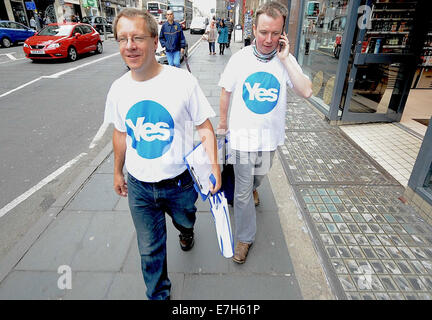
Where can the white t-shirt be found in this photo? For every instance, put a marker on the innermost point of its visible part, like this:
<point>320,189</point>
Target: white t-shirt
<point>257,118</point>
<point>159,116</point>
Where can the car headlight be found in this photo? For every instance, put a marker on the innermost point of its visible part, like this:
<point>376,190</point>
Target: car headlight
<point>26,45</point>
<point>53,45</point>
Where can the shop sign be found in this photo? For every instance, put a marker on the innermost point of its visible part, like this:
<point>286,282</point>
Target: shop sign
<point>89,3</point>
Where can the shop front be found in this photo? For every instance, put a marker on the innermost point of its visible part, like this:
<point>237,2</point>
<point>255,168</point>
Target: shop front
<point>365,59</point>
<point>72,10</point>
<point>90,8</point>
<point>19,12</point>
<point>109,10</point>
<point>363,56</point>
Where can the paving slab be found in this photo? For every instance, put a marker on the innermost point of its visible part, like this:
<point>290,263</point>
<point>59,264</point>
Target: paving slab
<point>97,194</point>
<point>240,287</point>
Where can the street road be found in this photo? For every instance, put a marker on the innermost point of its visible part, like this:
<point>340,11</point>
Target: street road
<point>50,113</point>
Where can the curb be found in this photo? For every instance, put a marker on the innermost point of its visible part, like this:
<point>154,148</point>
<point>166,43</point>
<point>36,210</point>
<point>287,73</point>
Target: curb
<point>20,249</point>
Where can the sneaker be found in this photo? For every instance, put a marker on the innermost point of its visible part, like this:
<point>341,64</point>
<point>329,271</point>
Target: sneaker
<point>256,198</point>
<point>241,252</point>
<point>186,241</point>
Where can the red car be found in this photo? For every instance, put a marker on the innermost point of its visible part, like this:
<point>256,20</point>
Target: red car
<point>67,40</point>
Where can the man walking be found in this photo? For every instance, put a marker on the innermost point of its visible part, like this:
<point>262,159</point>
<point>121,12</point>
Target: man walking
<point>172,39</point>
<point>257,77</point>
<point>151,138</point>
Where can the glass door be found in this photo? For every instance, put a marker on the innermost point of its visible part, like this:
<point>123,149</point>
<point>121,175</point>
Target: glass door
<point>383,61</point>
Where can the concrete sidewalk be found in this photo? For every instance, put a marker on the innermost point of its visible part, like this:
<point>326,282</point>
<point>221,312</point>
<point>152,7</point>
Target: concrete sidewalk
<point>87,239</point>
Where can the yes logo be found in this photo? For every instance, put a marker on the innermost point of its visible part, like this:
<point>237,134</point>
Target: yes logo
<point>261,92</point>
<point>151,129</point>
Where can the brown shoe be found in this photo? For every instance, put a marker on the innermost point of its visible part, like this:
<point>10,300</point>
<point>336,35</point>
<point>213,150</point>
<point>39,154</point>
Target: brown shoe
<point>256,198</point>
<point>241,252</point>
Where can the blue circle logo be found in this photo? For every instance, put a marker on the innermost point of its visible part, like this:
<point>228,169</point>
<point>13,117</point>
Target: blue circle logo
<point>151,129</point>
<point>261,92</point>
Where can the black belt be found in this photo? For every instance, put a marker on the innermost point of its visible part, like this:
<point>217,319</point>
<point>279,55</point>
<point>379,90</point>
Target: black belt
<point>181,179</point>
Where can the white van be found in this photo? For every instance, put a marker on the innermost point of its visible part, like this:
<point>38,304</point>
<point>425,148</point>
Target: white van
<point>198,25</point>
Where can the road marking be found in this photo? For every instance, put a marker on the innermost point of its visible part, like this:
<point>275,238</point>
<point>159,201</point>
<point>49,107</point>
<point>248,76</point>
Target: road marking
<point>20,87</point>
<point>98,135</point>
<point>58,74</point>
<point>9,55</point>
<point>16,59</point>
<point>41,184</point>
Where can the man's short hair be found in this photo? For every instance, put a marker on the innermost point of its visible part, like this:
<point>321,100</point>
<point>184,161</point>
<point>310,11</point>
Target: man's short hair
<point>150,21</point>
<point>273,9</point>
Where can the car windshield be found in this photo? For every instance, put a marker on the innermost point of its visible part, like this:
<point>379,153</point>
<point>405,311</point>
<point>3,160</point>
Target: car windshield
<point>63,30</point>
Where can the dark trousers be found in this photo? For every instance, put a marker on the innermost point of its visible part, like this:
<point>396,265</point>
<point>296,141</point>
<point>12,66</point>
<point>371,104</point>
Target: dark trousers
<point>229,40</point>
<point>221,48</point>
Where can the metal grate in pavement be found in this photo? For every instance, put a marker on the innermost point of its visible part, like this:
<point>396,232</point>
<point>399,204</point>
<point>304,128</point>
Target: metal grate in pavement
<point>377,247</point>
<point>300,117</point>
<point>372,245</point>
<point>326,156</point>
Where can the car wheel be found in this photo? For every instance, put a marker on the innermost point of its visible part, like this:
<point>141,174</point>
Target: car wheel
<point>72,54</point>
<point>6,42</point>
<point>99,48</point>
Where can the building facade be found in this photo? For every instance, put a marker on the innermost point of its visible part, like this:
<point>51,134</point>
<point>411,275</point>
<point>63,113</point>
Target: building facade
<point>63,10</point>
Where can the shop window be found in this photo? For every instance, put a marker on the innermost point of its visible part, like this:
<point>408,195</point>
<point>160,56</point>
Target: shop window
<point>320,45</point>
<point>374,86</point>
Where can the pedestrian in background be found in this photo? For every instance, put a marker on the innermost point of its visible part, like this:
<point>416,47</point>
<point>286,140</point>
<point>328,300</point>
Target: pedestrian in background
<point>230,25</point>
<point>223,36</point>
<point>257,77</point>
<point>211,34</point>
<point>40,21</point>
<point>33,23</point>
<point>171,38</point>
<point>47,20</point>
<point>150,139</point>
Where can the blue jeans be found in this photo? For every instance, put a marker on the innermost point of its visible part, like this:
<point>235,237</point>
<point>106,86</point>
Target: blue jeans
<point>211,47</point>
<point>148,203</point>
<point>173,58</point>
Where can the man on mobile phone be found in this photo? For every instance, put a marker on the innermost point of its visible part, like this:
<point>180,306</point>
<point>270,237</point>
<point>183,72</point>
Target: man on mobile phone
<point>257,77</point>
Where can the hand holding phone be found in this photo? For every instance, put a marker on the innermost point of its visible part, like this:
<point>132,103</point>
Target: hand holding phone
<point>283,41</point>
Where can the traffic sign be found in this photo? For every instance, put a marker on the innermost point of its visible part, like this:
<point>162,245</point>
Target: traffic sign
<point>30,5</point>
